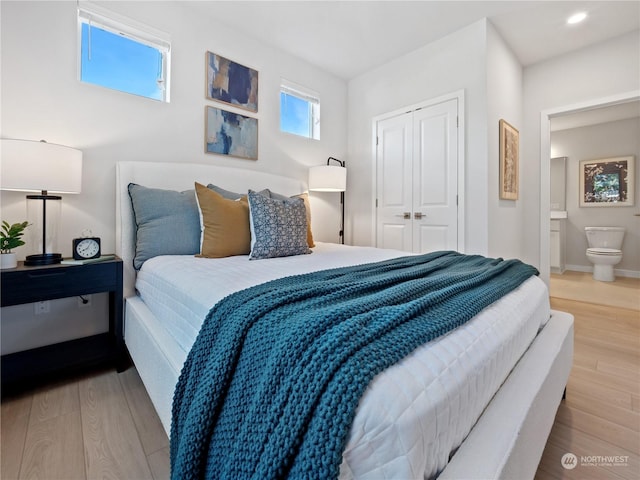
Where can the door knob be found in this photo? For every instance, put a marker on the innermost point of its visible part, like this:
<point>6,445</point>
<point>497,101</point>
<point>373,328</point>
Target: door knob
<point>405,215</point>
<point>418,215</point>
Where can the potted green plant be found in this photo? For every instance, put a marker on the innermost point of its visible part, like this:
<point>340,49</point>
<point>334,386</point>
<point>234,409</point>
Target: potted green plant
<point>10,238</point>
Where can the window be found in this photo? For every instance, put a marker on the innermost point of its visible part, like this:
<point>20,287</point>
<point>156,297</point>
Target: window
<point>299,111</point>
<point>116,54</point>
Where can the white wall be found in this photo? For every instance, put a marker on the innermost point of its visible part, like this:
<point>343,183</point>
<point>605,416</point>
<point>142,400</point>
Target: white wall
<point>474,59</point>
<point>606,69</point>
<point>504,101</point>
<point>455,62</point>
<point>43,99</point>
<point>605,140</point>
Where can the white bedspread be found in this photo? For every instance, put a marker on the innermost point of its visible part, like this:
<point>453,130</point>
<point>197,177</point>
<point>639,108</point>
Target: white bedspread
<point>414,414</point>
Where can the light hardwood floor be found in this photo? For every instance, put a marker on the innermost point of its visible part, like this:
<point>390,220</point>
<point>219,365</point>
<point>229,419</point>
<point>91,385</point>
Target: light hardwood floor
<point>580,286</point>
<point>99,426</point>
<point>601,414</point>
<point>103,425</point>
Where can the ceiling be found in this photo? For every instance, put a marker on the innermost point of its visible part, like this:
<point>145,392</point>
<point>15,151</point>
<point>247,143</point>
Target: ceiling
<point>593,116</point>
<point>348,38</point>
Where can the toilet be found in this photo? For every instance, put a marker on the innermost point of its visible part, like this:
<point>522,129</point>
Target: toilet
<point>605,250</point>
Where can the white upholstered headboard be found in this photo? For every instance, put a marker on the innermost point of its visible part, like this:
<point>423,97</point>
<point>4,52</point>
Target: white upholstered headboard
<point>180,176</point>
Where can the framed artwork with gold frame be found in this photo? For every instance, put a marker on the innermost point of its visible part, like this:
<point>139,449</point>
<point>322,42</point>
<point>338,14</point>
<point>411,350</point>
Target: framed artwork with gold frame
<point>509,161</point>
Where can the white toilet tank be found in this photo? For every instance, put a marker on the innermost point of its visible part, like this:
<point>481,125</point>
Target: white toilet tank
<point>605,237</point>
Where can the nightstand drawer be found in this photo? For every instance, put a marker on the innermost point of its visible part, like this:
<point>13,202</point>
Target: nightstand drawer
<point>24,285</point>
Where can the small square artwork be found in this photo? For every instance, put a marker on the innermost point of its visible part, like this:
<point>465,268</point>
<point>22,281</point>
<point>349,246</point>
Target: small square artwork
<point>229,133</point>
<point>231,83</point>
<point>509,159</point>
<point>607,182</point>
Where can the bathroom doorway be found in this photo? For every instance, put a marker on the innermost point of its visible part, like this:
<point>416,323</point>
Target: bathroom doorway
<point>573,119</point>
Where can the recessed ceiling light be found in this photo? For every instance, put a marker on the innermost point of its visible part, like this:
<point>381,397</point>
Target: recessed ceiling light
<point>576,18</point>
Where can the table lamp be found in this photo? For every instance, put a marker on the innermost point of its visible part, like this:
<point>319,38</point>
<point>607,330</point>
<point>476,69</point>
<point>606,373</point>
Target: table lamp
<point>330,178</point>
<point>30,166</point>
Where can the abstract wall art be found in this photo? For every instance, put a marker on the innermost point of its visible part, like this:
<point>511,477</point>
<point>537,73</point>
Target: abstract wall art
<point>231,83</point>
<point>229,133</point>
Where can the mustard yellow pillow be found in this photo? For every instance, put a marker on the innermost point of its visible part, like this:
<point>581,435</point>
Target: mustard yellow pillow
<point>224,223</point>
<point>307,206</point>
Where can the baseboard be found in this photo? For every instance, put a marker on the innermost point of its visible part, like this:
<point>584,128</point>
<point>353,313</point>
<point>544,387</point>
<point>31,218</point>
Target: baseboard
<point>579,268</point>
<point>627,273</point>
<point>617,271</point>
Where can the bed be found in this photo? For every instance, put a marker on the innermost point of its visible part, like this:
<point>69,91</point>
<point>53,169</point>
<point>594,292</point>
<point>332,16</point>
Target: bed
<point>514,383</point>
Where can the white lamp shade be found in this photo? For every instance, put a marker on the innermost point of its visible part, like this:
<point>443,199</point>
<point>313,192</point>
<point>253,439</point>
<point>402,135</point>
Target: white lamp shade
<point>29,166</point>
<point>328,178</point>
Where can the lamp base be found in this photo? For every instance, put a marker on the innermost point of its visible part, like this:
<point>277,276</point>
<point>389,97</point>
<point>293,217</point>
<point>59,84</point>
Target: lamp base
<point>42,259</point>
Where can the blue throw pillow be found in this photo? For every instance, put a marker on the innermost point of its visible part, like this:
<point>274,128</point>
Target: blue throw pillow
<point>167,223</point>
<point>278,227</point>
<point>225,193</point>
<point>233,195</point>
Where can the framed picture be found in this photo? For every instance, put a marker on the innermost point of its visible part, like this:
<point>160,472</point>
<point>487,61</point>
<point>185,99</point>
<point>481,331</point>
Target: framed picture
<point>509,159</point>
<point>607,182</point>
<point>228,133</point>
<point>231,83</point>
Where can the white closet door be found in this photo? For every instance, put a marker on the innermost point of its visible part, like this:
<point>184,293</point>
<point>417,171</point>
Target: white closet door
<point>394,184</point>
<point>435,178</point>
<point>417,179</point>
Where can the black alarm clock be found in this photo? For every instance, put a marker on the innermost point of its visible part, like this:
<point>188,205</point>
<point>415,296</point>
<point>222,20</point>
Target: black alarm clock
<point>85,248</point>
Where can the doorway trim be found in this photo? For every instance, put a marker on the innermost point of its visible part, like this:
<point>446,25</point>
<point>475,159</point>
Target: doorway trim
<point>459,95</point>
<point>545,164</point>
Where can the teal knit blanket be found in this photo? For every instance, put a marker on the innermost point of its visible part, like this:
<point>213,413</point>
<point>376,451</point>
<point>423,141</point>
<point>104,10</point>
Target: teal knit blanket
<point>271,385</point>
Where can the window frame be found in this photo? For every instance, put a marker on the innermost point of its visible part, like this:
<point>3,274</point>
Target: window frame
<point>93,15</point>
<point>307,95</point>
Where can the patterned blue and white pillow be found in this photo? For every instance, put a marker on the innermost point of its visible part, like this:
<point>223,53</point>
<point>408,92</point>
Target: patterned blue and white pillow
<point>278,227</point>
